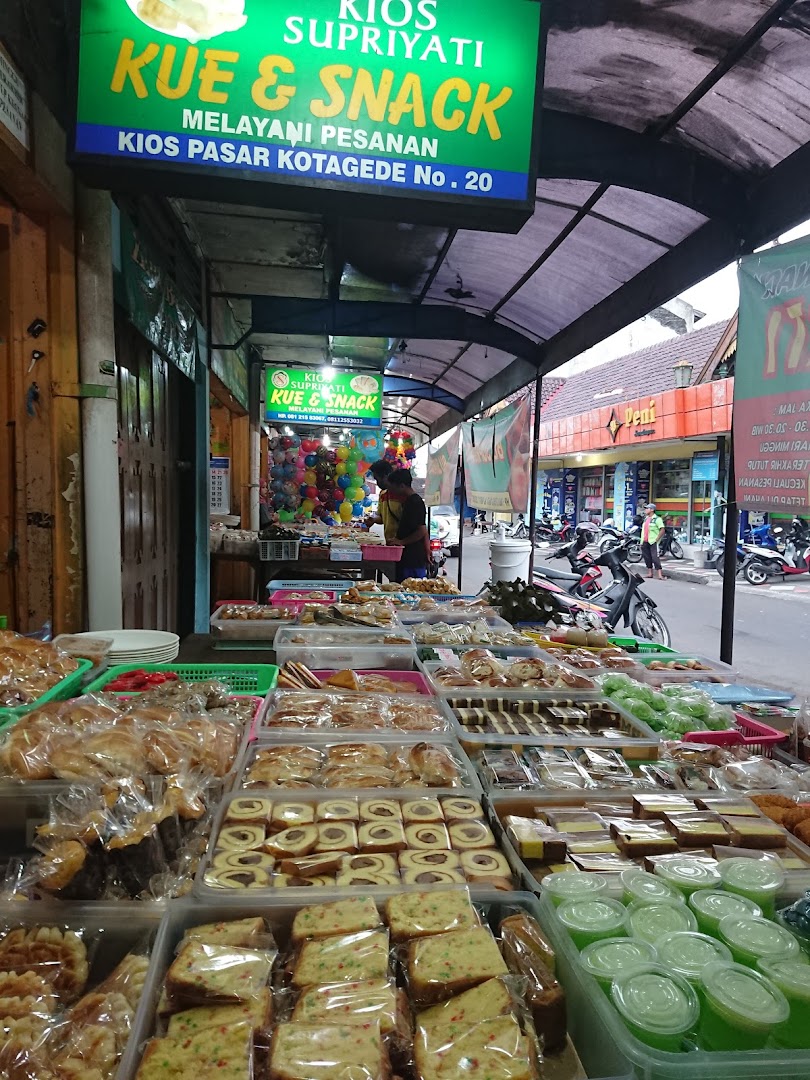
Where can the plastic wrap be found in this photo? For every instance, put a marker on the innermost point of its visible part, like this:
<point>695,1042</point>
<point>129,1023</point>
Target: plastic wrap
<point>443,965</point>
<point>318,1050</point>
<point>204,974</point>
<point>294,709</point>
<point>29,668</point>
<point>479,632</point>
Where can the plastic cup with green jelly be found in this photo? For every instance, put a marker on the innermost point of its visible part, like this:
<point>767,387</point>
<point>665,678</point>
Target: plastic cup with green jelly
<point>650,922</point>
<point>658,1007</point>
<point>591,920</point>
<point>740,1007</point>
<point>712,905</point>
<point>687,953</point>
<point>793,979</point>
<point>639,885</point>
<point>757,879</point>
<point>688,873</point>
<point>611,957</point>
<point>574,885</point>
<point>752,939</point>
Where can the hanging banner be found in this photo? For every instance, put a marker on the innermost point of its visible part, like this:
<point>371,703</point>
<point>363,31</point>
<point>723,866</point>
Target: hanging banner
<point>392,98</point>
<point>497,460</point>
<point>442,466</point>
<point>154,305</point>
<point>301,396</point>
<point>772,380</point>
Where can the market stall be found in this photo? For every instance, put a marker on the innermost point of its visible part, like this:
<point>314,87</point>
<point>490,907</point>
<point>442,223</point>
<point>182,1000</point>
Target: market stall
<point>426,810</point>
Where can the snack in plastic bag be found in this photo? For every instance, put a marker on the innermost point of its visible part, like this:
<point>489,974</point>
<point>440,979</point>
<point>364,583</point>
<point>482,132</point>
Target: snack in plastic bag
<point>439,967</point>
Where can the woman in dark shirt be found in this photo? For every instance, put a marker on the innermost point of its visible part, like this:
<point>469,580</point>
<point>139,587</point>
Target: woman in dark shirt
<point>412,532</point>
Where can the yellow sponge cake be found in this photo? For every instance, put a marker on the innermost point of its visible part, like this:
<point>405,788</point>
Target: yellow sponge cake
<point>218,1053</point>
<point>348,958</point>
<point>484,1002</point>
<point>327,1051</point>
<point>412,915</point>
<point>340,917</point>
<point>498,1048</point>
<point>447,964</point>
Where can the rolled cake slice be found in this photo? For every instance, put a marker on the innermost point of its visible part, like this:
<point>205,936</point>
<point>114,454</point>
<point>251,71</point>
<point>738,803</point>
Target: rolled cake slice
<point>427,836</point>
<point>459,808</point>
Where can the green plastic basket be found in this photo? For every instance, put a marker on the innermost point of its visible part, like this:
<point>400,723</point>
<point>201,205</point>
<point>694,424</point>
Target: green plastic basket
<point>636,645</point>
<point>253,679</point>
<point>64,689</point>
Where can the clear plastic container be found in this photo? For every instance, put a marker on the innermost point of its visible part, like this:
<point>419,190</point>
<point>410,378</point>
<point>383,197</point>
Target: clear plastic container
<point>651,921</point>
<point>325,648</point>
<point>752,939</point>
<point>591,920</point>
<point>688,873</point>
<point>740,1008</point>
<point>611,957</point>
<point>687,953</point>
<point>659,1007</point>
<point>709,670</point>
<point>712,905</point>
<point>758,880</point>
<point>574,885</point>
<point>640,885</point>
<point>793,979</point>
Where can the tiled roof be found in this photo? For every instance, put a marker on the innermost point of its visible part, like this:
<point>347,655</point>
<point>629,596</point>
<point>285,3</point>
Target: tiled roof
<point>648,371</point>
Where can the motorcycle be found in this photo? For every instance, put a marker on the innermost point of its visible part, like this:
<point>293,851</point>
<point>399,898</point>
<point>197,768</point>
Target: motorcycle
<point>668,544</point>
<point>622,601</point>
<point>762,536</point>
<point>439,555</point>
<point>763,563</point>
<point>520,530</point>
<point>612,537</point>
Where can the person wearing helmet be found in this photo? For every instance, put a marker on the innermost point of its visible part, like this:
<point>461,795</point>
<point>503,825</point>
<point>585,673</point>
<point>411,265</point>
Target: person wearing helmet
<point>651,529</point>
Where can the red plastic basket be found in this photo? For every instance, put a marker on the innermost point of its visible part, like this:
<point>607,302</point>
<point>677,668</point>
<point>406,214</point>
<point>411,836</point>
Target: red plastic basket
<point>754,736</point>
<point>381,552</point>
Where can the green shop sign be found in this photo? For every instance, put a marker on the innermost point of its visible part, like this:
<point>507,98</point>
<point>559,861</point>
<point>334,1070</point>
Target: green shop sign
<point>353,399</point>
<point>430,99</point>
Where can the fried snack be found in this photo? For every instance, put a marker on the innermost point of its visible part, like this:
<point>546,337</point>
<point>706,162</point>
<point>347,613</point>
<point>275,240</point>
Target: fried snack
<point>59,956</point>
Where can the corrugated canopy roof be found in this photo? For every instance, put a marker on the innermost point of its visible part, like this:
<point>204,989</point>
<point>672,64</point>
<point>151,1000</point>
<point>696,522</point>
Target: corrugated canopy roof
<point>673,135</point>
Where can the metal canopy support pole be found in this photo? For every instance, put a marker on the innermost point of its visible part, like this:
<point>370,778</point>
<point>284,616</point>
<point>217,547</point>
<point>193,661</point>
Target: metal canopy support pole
<point>538,393</point>
<point>202,496</point>
<point>461,509</point>
<point>729,560</point>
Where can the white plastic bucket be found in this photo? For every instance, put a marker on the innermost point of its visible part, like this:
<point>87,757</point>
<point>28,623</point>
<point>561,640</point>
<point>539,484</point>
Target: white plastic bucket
<point>510,559</point>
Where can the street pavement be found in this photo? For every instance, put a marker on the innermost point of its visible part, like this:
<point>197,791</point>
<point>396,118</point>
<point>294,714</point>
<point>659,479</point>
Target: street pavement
<point>771,631</point>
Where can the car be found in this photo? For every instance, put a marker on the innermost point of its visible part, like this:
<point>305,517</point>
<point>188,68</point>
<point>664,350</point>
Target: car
<point>444,526</point>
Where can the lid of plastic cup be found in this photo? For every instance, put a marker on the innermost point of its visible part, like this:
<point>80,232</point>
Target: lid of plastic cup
<point>688,953</point>
<point>716,905</point>
<point>592,916</point>
<point>764,875</point>
<point>610,956</point>
<point>759,937</point>
<point>791,976</point>
<point>645,886</point>
<point>654,999</point>
<point>689,872</point>
<point>651,921</point>
<point>570,884</point>
<point>743,994</point>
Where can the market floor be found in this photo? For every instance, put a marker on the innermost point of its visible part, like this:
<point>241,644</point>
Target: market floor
<point>771,635</point>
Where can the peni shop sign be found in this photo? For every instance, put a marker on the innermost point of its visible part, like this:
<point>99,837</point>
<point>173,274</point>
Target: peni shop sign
<point>772,380</point>
<point>428,99</point>
<point>299,396</point>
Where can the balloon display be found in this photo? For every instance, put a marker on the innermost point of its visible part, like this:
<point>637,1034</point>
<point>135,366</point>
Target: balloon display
<point>345,511</point>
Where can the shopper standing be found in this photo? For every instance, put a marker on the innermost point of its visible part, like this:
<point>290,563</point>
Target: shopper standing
<point>651,529</point>
<point>389,507</point>
<point>412,532</point>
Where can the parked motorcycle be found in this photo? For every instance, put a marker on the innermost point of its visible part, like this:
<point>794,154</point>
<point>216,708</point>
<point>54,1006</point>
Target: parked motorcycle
<point>762,536</point>
<point>762,563</point>
<point>439,555</point>
<point>519,530</point>
<point>622,601</point>
<point>612,537</point>
<point>668,544</point>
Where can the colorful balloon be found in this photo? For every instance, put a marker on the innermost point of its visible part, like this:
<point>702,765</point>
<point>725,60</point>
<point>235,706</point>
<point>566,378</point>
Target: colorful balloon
<point>357,510</point>
<point>308,505</point>
<point>340,468</point>
<point>295,440</point>
<point>284,442</point>
<point>331,457</point>
<point>290,470</point>
<point>344,482</point>
<point>354,494</point>
<point>311,492</point>
<point>345,511</point>
<point>342,453</point>
<point>279,456</point>
<point>286,515</point>
<point>277,471</point>
<point>309,477</point>
<point>367,501</point>
<point>362,468</point>
<point>310,461</point>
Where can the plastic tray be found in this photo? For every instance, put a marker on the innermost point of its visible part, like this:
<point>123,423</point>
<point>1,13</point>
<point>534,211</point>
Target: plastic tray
<point>260,731</point>
<point>642,742</point>
<point>381,552</point>
<point>307,584</point>
<point>715,671</point>
<point>757,737</point>
<point>634,644</point>
<point>605,1045</point>
<point>64,689</point>
<point>253,679</point>
<point>279,916</point>
<point>414,679</point>
<point>211,893</point>
<point>737,693</point>
<point>283,597</point>
<point>514,693</point>
<point>323,740</point>
<point>452,615</point>
<point>246,629</point>
<point>342,650</point>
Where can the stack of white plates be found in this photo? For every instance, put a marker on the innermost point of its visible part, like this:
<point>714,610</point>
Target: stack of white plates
<point>142,646</point>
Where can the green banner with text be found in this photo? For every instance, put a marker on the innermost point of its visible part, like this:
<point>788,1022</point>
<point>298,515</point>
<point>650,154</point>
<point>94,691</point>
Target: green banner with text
<point>772,380</point>
<point>299,396</point>
<point>424,97</point>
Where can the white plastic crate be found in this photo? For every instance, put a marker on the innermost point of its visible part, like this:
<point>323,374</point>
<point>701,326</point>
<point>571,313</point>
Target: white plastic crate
<point>279,550</point>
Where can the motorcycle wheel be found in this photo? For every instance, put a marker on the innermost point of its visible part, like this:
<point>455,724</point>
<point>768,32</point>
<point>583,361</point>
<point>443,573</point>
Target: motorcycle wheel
<point>649,625</point>
<point>675,550</point>
<point>605,543</point>
<point>634,553</point>
<point>755,573</point>
<point>720,563</point>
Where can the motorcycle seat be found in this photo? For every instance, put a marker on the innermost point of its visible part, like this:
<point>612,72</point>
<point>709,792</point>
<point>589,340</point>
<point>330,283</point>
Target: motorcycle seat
<point>557,575</point>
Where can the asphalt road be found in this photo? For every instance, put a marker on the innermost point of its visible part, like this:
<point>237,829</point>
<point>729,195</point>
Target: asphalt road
<point>771,633</point>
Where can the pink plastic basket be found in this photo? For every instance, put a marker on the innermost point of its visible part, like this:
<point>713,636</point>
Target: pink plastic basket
<point>381,552</point>
<point>290,597</point>
<point>755,736</point>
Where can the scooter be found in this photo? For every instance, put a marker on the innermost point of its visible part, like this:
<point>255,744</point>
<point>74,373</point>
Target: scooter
<point>622,601</point>
<point>612,537</point>
<point>668,544</point>
<point>762,563</point>
<point>762,536</point>
<point>439,554</point>
<point>520,530</point>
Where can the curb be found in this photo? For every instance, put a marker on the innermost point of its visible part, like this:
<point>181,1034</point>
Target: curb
<point>696,577</point>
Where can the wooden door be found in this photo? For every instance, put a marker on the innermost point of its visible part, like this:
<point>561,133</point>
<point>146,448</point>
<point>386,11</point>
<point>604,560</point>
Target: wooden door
<point>147,457</point>
<point>8,591</point>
